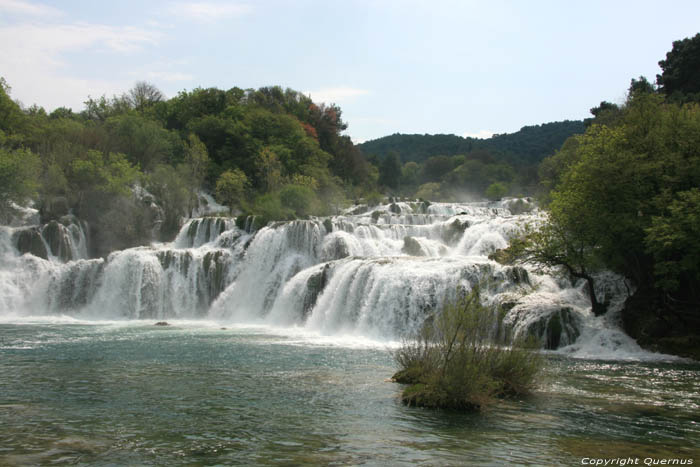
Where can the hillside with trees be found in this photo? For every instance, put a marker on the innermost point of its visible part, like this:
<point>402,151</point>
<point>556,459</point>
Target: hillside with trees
<point>449,167</point>
<point>529,145</point>
<point>132,165</point>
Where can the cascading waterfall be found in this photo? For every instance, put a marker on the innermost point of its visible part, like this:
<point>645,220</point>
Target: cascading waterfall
<point>375,272</point>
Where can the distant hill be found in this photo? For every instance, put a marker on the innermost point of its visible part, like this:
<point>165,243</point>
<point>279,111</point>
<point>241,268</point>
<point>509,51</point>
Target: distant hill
<point>525,147</point>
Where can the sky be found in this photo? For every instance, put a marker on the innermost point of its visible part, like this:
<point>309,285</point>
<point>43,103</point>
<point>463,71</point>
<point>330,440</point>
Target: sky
<point>471,68</point>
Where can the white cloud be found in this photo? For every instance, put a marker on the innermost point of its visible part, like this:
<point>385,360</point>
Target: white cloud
<point>481,134</point>
<point>32,59</point>
<point>209,11</point>
<point>336,95</point>
<point>21,7</point>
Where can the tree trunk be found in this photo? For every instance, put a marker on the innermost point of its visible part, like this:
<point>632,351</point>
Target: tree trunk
<point>597,307</point>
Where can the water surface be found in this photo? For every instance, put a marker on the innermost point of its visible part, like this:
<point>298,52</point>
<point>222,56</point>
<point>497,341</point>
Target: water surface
<point>193,393</point>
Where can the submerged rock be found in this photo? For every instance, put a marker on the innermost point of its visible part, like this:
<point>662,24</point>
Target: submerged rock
<point>556,329</point>
<point>162,323</point>
<point>314,286</point>
<point>453,231</point>
<point>30,241</point>
<point>411,247</point>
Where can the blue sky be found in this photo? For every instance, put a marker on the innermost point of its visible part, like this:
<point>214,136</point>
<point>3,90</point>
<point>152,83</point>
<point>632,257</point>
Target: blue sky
<point>462,67</point>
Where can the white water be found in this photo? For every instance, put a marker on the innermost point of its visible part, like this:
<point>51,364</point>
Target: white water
<point>369,277</point>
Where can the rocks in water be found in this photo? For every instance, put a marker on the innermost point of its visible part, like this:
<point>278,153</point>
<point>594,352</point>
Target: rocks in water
<point>56,239</point>
<point>518,275</point>
<point>520,206</point>
<point>30,241</point>
<point>395,208</point>
<point>376,215</point>
<point>314,286</point>
<point>328,225</point>
<point>359,210</point>
<point>411,247</point>
<point>53,235</point>
<point>452,232</point>
<point>335,247</point>
<point>162,323</point>
<point>555,329</point>
<point>250,224</point>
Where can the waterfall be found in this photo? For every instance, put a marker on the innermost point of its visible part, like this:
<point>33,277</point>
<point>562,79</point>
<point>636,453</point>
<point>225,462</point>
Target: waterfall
<point>376,272</point>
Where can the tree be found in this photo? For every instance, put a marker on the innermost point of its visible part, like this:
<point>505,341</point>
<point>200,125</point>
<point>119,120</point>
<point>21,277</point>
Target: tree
<point>231,187</point>
<point>19,174</point>
<point>625,195</point>
<point>11,117</point>
<point>144,95</point>
<point>680,75</point>
<point>390,171</point>
<point>496,191</point>
<point>672,239</point>
<point>552,245</point>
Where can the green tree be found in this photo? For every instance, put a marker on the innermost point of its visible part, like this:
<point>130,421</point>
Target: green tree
<point>496,191</point>
<point>231,188</point>
<point>300,199</point>
<point>680,76</point>
<point>390,171</point>
<point>19,176</point>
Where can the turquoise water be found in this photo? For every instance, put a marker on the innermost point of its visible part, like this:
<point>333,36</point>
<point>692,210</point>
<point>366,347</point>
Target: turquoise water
<point>196,394</point>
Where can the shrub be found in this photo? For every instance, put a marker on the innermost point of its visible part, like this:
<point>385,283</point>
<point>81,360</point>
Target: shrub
<point>454,360</point>
<point>300,199</point>
<point>496,191</point>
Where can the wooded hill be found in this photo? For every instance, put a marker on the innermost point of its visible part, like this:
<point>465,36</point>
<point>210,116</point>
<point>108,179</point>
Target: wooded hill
<point>525,147</point>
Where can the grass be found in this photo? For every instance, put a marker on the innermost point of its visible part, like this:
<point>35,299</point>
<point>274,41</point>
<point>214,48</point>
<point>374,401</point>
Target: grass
<point>456,362</point>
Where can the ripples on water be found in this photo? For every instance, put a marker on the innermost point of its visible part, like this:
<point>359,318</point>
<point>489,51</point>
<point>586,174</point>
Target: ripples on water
<point>132,393</point>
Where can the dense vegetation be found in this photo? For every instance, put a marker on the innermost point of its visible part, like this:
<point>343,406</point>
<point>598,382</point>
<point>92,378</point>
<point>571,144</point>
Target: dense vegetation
<point>454,360</point>
<point>625,196</point>
<point>137,161</point>
<point>444,167</point>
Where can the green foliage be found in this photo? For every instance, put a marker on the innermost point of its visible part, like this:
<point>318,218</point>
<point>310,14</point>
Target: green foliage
<point>170,186</point>
<point>680,77</point>
<point>252,142</point>
<point>672,239</point>
<point>529,145</point>
<point>390,171</point>
<point>11,118</point>
<point>19,177</point>
<point>269,207</point>
<point>625,197</point>
<point>299,199</point>
<point>231,188</point>
<point>455,362</point>
<point>496,191</point>
<point>429,191</point>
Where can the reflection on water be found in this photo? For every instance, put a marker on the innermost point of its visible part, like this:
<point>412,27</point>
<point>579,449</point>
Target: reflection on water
<point>135,394</point>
